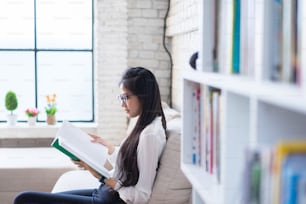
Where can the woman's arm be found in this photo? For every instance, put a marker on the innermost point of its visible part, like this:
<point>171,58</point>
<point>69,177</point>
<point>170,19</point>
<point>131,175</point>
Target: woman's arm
<point>106,143</point>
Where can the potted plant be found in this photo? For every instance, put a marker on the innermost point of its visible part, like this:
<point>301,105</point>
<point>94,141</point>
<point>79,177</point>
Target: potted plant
<point>51,109</point>
<point>32,115</point>
<point>11,104</point>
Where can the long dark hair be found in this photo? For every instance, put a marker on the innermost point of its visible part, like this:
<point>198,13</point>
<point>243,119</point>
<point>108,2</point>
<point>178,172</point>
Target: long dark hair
<point>142,83</point>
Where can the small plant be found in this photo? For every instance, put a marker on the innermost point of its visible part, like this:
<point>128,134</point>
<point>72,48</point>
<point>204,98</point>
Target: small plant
<point>51,105</point>
<point>31,112</point>
<point>11,102</point>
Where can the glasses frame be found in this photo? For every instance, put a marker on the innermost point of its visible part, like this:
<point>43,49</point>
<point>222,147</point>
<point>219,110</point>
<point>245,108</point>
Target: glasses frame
<point>123,98</point>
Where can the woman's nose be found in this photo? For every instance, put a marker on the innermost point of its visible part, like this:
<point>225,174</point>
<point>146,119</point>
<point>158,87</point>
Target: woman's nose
<point>123,104</point>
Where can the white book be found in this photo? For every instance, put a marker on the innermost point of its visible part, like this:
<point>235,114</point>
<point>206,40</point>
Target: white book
<point>75,143</point>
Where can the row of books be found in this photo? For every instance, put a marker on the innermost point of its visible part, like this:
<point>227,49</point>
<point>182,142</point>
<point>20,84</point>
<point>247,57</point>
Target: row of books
<point>276,175</point>
<point>206,129</point>
<point>281,41</point>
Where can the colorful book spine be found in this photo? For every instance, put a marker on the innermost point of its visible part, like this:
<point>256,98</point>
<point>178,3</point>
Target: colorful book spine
<point>236,37</point>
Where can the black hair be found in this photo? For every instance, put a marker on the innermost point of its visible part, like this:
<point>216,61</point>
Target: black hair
<point>143,84</point>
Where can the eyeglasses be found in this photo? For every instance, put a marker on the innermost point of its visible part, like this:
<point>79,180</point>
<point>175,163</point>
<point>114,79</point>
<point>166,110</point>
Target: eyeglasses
<point>123,98</point>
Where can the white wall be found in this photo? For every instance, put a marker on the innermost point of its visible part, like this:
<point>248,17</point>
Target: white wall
<point>182,28</point>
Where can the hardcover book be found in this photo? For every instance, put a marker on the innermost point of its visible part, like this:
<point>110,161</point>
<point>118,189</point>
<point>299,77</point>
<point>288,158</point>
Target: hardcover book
<point>77,144</point>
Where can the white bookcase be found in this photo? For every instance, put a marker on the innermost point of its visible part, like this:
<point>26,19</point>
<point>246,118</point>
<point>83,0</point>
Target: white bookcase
<point>255,111</point>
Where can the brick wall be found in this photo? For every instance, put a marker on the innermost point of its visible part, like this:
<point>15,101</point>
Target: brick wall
<point>110,61</point>
<point>182,28</point>
<point>145,40</point>
<point>128,33</point>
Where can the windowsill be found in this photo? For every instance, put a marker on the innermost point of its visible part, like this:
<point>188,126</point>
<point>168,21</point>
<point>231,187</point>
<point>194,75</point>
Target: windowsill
<point>40,130</point>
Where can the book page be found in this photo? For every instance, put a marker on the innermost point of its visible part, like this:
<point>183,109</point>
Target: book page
<point>79,144</point>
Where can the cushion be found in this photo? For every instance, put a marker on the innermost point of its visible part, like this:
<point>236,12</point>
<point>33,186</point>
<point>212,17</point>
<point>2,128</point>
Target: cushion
<point>75,180</point>
<point>171,186</point>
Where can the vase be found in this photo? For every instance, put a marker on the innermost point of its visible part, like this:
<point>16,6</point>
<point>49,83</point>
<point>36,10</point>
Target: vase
<point>51,119</point>
<point>12,119</point>
<point>31,121</point>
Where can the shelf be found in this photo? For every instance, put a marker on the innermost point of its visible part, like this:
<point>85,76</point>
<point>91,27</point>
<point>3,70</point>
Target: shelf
<point>281,94</point>
<point>246,97</point>
<point>198,177</point>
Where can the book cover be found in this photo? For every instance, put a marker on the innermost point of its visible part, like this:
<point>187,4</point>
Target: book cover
<point>77,144</point>
<point>275,39</point>
<point>56,144</point>
<point>236,37</point>
<point>216,133</point>
<point>283,149</point>
<point>293,172</point>
<point>196,144</point>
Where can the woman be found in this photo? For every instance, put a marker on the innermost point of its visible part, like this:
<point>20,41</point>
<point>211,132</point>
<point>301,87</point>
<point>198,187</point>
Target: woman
<point>135,161</point>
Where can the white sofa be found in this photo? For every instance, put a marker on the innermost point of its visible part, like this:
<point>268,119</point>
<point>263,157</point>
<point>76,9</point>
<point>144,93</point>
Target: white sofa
<point>30,169</point>
<point>170,187</point>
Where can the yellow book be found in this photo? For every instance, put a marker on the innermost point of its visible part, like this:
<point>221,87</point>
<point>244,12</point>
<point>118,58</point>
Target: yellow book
<point>282,150</point>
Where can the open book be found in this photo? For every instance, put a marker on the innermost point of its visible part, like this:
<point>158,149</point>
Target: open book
<point>77,144</point>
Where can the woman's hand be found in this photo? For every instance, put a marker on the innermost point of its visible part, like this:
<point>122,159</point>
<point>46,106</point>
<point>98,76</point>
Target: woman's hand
<point>110,182</point>
<point>97,139</point>
<point>85,166</point>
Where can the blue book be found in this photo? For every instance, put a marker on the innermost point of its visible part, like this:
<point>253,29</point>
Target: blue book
<point>236,37</point>
<point>293,172</point>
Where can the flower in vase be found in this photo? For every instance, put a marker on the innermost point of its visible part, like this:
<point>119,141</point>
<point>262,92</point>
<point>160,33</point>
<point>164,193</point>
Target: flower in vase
<point>51,104</point>
<point>31,112</point>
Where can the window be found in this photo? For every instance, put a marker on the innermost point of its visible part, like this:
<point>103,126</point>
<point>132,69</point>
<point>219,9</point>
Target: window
<point>46,47</point>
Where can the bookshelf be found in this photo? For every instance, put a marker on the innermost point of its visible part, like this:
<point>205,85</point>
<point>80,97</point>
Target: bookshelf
<point>259,104</point>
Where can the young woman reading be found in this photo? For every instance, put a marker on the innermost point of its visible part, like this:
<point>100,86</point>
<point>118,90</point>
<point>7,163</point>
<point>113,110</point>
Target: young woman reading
<point>135,160</point>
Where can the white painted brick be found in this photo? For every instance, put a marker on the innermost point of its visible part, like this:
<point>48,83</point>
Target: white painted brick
<point>149,13</point>
<point>146,55</point>
<point>143,4</point>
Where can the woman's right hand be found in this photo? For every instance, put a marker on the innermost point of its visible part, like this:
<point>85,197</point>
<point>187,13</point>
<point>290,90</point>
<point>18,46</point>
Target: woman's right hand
<point>98,139</point>
<point>83,165</point>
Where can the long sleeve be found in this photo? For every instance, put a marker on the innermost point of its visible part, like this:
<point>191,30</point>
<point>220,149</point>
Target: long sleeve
<point>151,144</point>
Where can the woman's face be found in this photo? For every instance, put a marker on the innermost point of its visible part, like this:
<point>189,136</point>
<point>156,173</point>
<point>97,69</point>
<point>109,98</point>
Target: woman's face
<point>130,102</point>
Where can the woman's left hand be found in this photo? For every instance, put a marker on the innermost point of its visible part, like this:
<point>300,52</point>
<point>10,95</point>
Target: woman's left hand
<point>110,182</point>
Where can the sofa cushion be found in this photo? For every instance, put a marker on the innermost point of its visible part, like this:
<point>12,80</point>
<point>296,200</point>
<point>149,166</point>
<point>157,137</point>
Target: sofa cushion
<point>75,180</point>
<point>171,186</point>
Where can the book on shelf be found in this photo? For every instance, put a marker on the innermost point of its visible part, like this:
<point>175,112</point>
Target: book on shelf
<point>247,37</point>
<point>205,129</point>
<point>216,31</point>
<point>215,109</point>
<point>283,151</point>
<point>235,67</point>
<point>257,172</point>
<point>274,12</point>
<point>293,179</point>
<point>196,136</point>
<point>211,130</point>
<point>77,145</point>
<point>284,40</point>
<point>275,174</point>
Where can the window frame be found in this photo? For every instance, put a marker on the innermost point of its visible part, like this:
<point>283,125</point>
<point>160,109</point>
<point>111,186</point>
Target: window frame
<point>35,51</point>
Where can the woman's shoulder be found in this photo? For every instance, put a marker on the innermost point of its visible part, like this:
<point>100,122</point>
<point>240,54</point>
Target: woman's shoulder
<point>154,128</point>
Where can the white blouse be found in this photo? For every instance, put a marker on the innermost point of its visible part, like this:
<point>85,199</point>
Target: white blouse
<point>151,144</point>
